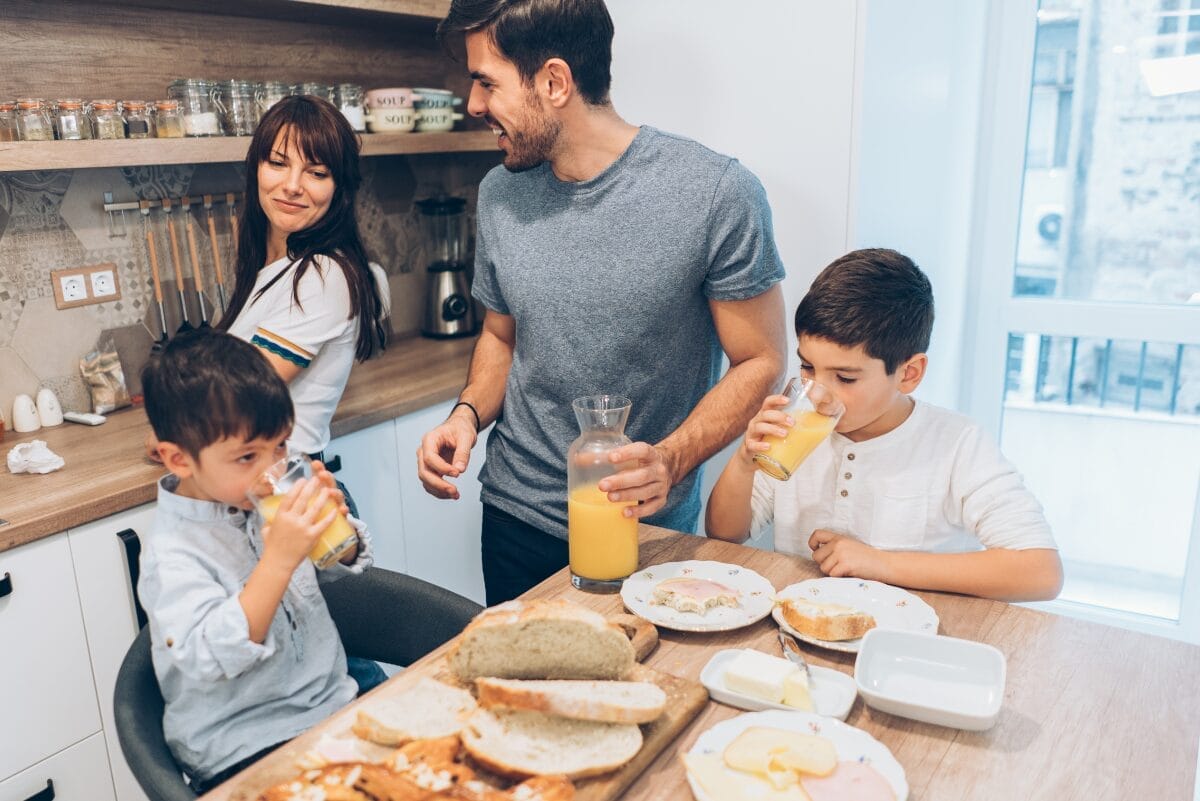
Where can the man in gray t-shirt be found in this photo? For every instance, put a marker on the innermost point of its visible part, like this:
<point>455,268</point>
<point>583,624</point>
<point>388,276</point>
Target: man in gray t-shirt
<point>611,259</point>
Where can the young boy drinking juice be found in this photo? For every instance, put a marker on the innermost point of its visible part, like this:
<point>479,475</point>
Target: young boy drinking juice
<point>902,492</point>
<point>244,649</point>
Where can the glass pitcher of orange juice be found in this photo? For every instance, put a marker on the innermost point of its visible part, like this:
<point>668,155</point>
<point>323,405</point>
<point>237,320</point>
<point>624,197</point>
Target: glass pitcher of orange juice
<point>601,541</point>
<point>786,453</point>
<point>268,493</point>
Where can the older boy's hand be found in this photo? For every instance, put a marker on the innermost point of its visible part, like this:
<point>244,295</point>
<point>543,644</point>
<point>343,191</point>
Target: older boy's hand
<point>839,555</point>
<point>297,523</point>
<point>770,420</point>
<point>335,492</point>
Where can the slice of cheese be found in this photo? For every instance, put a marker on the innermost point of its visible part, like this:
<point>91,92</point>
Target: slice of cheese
<point>796,691</point>
<point>759,675</point>
<point>763,750</point>
<point>723,783</point>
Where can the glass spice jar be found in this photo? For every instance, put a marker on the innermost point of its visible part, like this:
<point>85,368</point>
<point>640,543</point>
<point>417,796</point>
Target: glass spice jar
<point>71,119</point>
<point>238,106</point>
<point>34,123</point>
<point>8,121</point>
<point>168,119</point>
<point>139,124</point>
<point>271,92</point>
<point>320,90</point>
<point>107,122</point>
<point>349,100</point>
<point>196,99</point>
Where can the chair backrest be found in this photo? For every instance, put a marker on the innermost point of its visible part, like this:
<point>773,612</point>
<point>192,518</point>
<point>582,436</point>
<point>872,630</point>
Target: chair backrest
<point>138,708</point>
<point>380,615</point>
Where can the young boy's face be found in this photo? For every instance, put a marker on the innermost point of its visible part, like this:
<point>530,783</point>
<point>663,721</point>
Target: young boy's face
<point>875,401</point>
<point>227,469</point>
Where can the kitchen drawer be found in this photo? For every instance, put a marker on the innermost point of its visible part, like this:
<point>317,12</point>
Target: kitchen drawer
<point>80,773</point>
<point>47,696</point>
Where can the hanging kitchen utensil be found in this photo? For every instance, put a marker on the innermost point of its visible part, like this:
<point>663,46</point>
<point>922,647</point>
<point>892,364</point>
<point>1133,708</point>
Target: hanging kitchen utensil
<point>197,276</point>
<point>158,294</point>
<point>230,198</point>
<point>177,262</point>
<point>212,238</point>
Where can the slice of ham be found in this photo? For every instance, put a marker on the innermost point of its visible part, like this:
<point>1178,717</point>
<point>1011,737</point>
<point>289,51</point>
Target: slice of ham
<point>850,781</point>
<point>697,589</point>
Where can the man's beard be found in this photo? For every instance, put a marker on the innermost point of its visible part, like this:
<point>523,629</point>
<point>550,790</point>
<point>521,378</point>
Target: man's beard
<point>534,144</point>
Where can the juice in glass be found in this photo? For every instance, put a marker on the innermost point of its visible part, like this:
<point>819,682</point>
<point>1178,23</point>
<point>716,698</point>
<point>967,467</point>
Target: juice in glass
<point>334,541</point>
<point>601,541</point>
<point>785,454</point>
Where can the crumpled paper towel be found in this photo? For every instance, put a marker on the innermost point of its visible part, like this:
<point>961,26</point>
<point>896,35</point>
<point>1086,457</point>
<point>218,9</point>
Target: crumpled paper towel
<point>33,457</point>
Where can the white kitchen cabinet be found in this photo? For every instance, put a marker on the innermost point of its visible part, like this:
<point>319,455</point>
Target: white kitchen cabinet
<point>441,537</point>
<point>78,773</point>
<point>369,468</point>
<point>106,597</point>
<point>47,697</point>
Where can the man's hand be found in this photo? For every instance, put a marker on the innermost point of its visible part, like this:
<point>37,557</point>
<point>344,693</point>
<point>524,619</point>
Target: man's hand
<point>445,451</point>
<point>839,555</point>
<point>646,476</point>
<point>297,523</point>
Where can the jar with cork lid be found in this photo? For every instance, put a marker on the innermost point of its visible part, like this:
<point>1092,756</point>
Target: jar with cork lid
<point>139,124</point>
<point>8,121</point>
<point>71,119</point>
<point>168,119</point>
<point>107,122</point>
<point>34,123</point>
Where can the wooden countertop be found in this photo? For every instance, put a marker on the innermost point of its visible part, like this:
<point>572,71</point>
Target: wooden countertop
<point>1090,711</point>
<point>107,471</point>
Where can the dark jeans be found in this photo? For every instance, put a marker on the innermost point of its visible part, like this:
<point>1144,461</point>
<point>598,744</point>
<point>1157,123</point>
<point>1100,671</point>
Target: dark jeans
<point>202,787</point>
<point>516,556</point>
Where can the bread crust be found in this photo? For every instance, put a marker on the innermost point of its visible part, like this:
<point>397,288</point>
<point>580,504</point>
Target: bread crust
<point>581,700</point>
<point>833,628</point>
<point>480,736</point>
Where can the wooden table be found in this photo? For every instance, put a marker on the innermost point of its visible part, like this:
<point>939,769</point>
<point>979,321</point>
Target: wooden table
<point>1090,712</point>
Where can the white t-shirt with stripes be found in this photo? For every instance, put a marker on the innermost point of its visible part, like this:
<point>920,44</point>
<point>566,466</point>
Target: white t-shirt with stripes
<point>319,335</point>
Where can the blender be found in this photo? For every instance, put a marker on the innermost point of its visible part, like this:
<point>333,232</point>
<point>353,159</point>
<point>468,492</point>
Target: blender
<point>444,226</point>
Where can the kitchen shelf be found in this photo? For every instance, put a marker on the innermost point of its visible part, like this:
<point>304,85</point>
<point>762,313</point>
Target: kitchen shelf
<point>59,155</point>
<point>312,10</point>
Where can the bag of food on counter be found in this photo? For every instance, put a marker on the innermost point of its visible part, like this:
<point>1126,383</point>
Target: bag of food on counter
<point>105,379</point>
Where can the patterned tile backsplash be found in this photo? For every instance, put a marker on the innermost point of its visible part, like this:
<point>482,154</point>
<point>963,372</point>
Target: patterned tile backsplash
<point>54,220</point>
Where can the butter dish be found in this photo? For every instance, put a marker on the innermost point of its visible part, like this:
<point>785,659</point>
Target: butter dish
<point>931,678</point>
<point>832,692</point>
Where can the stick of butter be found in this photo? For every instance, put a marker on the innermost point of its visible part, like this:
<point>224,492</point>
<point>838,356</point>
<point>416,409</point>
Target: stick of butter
<point>759,675</point>
<point>796,691</point>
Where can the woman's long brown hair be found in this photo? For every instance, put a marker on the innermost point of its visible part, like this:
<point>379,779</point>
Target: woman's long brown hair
<point>321,134</point>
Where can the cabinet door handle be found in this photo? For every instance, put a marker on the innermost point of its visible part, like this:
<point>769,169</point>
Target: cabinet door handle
<point>44,795</point>
<point>6,585</point>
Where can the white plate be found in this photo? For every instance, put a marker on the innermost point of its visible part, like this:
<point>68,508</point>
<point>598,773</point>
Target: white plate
<point>833,692</point>
<point>852,745</point>
<point>892,607</point>
<point>755,602</point>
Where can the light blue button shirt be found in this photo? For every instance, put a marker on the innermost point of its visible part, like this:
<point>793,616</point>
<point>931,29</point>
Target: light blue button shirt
<point>228,697</point>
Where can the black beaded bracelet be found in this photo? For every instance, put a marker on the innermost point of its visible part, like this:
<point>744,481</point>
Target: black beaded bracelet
<point>474,411</point>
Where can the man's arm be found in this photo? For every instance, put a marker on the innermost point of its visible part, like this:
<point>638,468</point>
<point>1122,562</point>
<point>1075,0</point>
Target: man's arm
<point>752,334</point>
<point>446,450</point>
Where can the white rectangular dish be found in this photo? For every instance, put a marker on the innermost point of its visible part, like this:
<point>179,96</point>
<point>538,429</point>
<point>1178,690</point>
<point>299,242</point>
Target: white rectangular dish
<point>931,678</point>
<point>832,691</point>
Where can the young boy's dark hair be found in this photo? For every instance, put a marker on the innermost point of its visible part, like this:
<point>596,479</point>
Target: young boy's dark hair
<point>207,385</point>
<point>876,298</point>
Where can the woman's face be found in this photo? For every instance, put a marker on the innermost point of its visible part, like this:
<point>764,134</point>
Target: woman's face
<point>293,193</point>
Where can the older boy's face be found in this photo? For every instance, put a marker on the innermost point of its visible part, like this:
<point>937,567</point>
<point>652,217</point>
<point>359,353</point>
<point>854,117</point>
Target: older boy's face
<point>231,467</point>
<point>875,401</point>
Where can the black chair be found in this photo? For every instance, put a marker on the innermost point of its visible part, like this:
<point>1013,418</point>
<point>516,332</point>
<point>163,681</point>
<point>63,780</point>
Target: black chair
<point>380,615</point>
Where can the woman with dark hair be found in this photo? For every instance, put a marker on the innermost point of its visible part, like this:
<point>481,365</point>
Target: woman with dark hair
<point>304,293</point>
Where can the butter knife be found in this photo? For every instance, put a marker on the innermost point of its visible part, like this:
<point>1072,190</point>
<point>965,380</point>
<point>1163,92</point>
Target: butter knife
<point>791,649</point>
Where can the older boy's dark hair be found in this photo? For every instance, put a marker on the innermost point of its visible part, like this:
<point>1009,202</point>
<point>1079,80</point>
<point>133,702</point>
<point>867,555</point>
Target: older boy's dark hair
<point>207,385</point>
<point>876,298</point>
<point>530,32</point>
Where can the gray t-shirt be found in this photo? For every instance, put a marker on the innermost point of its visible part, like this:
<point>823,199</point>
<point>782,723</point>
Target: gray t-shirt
<point>608,281</point>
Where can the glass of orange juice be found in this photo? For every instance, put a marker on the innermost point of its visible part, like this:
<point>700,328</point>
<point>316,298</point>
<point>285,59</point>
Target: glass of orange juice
<point>268,493</point>
<point>602,542</point>
<point>785,454</point>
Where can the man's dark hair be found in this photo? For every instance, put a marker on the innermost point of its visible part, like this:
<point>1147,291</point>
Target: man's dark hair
<point>207,385</point>
<point>530,32</point>
<point>875,297</point>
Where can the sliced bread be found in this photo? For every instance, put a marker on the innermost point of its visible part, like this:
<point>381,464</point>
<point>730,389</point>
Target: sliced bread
<point>825,621</point>
<point>427,710</point>
<point>521,744</point>
<point>606,701</point>
<point>541,640</point>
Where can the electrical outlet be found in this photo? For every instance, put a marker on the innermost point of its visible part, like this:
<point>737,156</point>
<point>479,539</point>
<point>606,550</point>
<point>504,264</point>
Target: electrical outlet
<point>74,288</point>
<point>104,284</point>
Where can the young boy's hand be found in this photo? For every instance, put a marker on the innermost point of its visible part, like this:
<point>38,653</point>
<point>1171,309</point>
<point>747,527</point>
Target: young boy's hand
<point>335,492</point>
<point>771,419</point>
<point>297,523</point>
<point>839,555</point>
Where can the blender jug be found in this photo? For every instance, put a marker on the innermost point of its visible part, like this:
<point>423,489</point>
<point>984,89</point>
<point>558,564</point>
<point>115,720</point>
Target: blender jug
<point>444,226</point>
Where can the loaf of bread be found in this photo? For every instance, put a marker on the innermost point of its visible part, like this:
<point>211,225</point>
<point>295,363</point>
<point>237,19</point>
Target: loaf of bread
<point>522,744</point>
<point>541,640</point>
<point>427,710</point>
<point>604,701</point>
<point>825,621</point>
